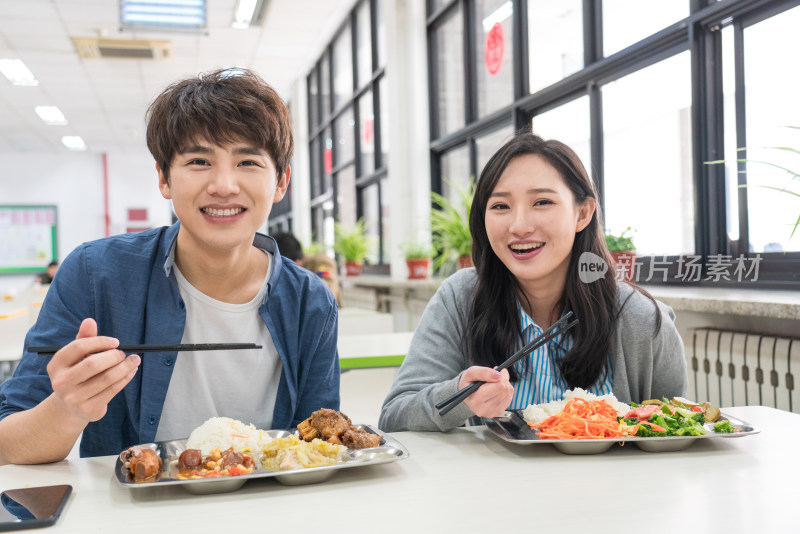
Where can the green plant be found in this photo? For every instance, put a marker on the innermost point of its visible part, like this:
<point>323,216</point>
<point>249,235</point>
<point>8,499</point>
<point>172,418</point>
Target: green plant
<point>450,226</point>
<point>785,189</point>
<point>351,243</point>
<point>315,247</point>
<point>417,250</point>
<point>621,242</point>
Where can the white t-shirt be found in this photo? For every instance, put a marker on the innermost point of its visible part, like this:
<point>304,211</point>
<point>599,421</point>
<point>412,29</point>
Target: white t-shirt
<point>241,384</point>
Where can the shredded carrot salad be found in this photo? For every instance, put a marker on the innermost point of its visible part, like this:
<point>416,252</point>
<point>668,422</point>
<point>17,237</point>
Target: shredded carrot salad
<point>584,419</point>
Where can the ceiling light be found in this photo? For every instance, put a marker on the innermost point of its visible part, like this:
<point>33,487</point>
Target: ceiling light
<point>51,115</point>
<point>17,73</point>
<point>74,142</point>
<point>498,15</point>
<point>243,14</point>
<point>163,14</point>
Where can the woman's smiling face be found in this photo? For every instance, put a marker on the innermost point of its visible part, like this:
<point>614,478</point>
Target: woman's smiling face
<point>531,221</point>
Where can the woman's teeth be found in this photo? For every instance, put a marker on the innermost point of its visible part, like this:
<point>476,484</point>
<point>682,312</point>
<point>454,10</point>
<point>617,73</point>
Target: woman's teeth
<point>222,213</point>
<point>526,247</point>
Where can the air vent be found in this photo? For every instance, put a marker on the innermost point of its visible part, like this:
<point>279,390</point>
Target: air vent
<point>94,48</point>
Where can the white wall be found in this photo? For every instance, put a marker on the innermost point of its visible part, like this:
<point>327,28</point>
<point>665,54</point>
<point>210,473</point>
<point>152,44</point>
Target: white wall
<point>73,181</point>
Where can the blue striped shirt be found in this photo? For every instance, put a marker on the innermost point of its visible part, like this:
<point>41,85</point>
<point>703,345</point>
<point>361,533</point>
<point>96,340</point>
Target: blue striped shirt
<point>540,378</point>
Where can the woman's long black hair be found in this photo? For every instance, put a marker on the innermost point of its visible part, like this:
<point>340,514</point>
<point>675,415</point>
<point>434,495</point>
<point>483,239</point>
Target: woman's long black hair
<point>493,330</point>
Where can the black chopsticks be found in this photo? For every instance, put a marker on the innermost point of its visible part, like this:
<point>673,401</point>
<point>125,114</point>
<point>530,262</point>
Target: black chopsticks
<point>554,330</point>
<point>49,350</point>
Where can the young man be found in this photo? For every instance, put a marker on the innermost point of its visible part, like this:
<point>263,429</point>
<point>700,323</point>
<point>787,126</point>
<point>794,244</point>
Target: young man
<point>222,144</point>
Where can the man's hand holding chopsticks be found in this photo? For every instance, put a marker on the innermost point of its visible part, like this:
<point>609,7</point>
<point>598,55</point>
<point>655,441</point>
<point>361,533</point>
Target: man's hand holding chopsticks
<point>89,372</point>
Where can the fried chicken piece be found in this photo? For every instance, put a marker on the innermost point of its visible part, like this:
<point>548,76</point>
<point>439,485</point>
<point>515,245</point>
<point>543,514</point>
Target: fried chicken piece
<point>357,438</point>
<point>330,424</point>
<point>142,463</point>
<point>307,430</point>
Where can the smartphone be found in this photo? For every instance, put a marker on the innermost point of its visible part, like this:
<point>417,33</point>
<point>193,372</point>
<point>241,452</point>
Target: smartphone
<point>32,507</point>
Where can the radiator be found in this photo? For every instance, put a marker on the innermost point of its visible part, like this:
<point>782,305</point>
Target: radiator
<point>729,368</point>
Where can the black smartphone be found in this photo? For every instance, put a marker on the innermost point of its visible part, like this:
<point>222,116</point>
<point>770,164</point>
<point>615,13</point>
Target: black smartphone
<point>32,507</point>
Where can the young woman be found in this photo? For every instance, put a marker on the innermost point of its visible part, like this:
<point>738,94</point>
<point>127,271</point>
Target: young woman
<point>534,220</point>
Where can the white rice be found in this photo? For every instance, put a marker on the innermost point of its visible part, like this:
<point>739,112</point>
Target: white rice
<point>223,433</point>
<point>536,413</point>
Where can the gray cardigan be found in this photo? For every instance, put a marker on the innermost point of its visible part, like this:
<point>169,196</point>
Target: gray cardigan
<point>645,367</point>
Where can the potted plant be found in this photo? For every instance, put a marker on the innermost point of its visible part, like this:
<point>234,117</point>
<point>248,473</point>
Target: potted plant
<point>623,253</point>
<point>352,244</point>
<point>450,228</point>
<point>418,260</point>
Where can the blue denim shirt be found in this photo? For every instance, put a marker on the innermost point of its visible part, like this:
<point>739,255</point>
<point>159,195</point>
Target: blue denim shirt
<point>126,284</point>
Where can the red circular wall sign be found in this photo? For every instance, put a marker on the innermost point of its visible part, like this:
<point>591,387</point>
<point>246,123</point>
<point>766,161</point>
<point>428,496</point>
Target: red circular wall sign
<point>495,46</point>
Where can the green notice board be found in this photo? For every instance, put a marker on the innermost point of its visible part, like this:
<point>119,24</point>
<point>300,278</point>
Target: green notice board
<point>28,239</point>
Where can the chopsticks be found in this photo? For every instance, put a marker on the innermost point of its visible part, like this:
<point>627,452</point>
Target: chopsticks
<point>554,330</point>
<point>49,350</point>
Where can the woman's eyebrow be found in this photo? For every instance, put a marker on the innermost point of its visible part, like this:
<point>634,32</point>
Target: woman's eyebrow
<point>534,191</point>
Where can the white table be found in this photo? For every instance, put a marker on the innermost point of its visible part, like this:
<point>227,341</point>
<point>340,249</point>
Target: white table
<point>373,350</point>
<point>470,481</point>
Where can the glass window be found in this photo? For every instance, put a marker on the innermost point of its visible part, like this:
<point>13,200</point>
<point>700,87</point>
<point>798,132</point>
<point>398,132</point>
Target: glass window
<point>316,161</point>
<point>346,195</point>
<point>568,123</point>
<point>322,223</point>
<point>488,144</point>
<point>455,172</point>
<point>366,119</point>
<point>731,153</point>
<point>364,44</point>
<point>626,22</point>
<point>342,68</point>
<point>450,73</point>
<point>345,128</point>
<point>325,86</point>
<point>374,212</point>
<point>381,29</point>
<point>434,5</point>
<point>313,98</point>
<point>771,106</point>
<point>555,41</point>
<point>384,123</point>
<point>494,33</point>
<point>647,157</point>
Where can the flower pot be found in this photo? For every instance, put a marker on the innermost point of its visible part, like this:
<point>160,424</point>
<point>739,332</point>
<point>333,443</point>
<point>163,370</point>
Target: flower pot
<point>418,268</point>
<point>464,262</point>
<point>352,268</point>
<point>624,264</point>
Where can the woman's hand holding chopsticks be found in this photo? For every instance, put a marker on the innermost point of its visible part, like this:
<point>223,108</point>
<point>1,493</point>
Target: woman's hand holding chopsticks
<point>493,397</point>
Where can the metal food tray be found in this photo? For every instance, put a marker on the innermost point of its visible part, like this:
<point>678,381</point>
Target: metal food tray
<point>389,450</point>
<point>512,427</point>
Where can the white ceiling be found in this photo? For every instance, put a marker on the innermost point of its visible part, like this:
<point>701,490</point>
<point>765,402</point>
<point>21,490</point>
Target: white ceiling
<point>104,100</point>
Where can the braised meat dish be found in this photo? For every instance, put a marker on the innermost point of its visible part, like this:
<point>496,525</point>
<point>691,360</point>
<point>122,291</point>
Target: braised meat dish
<point>219,463</point>
<point>143,463</point>
<point>335,427</point>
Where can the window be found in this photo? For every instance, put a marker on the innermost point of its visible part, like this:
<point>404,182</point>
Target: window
<point>651,95</point>
<point>647,157</point>
<point>347,136</point>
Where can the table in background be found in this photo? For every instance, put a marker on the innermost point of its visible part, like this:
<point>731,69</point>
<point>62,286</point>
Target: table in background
<point>373,350</point>
<point>467,480</point>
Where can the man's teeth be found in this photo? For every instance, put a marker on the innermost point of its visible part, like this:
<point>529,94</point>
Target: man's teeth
<point>526,247</point>
<point>222,213</point>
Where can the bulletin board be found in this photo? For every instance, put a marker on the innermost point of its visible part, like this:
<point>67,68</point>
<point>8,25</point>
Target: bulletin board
<point>28,238</point>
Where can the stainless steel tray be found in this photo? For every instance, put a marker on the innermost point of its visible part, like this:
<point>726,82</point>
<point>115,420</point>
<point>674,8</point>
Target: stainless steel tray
<point>390,450</point>
<point>512,428</point>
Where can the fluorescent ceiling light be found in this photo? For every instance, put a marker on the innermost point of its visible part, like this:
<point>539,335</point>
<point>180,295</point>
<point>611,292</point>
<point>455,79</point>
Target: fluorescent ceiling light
<point>51,115</point>
<point>243,14</point>
<point>499,15</point>
<point>74,142</point>
<point>17,73</point>
<point>163,14</point>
